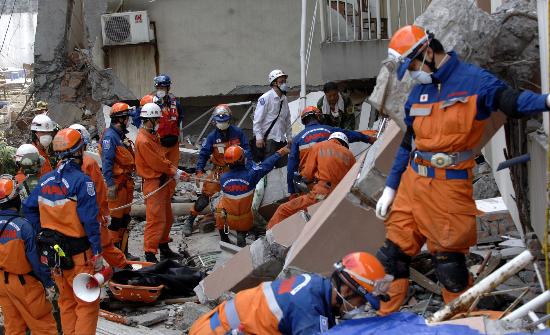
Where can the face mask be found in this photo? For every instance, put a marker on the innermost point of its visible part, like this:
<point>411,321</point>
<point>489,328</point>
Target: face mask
<point>161,94</point>
<point>45,140</point>
<point>353,314</point>
<point>283,87</point>
<point>222,125</point>
<point>420,76</point>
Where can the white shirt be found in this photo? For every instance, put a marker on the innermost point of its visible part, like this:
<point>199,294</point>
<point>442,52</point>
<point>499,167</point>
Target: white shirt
<point>266,111</point>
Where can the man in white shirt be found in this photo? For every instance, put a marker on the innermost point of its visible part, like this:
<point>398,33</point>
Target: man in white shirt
<point>272,127</point>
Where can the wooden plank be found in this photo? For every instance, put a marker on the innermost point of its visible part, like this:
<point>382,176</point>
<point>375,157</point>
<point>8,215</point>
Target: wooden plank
<point>424,281</point>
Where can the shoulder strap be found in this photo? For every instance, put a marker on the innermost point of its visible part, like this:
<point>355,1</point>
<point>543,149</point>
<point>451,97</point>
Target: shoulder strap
<point>6,224</point>
<point>273,122</point>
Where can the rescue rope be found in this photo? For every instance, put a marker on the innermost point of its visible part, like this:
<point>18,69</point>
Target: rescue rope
<point>150,194</point>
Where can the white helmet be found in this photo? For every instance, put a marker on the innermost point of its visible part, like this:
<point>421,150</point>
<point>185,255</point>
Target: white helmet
<point>24,151</point>
<point>340,136</point>
<point>150,110</point>
<point>42,122</point>
<point>274,75</point>
<point>83,131</point>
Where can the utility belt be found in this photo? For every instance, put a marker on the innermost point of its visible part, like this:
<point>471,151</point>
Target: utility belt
<point>221,212</point>
<point>442,159</point>
<point>56,250</point>
<point>443,174</point>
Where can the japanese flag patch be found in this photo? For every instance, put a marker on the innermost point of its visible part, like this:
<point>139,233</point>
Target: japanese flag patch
<point>106,144</point>
<point>90,188</point>
<point>262,101</point>
<point>423,98</point>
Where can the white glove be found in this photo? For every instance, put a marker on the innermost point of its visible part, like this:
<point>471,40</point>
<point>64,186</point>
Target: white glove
<point>97,262</point>
<point>384,203</point>
<point>181,175</point>
<point>107,220</point>
<point>50,293</point>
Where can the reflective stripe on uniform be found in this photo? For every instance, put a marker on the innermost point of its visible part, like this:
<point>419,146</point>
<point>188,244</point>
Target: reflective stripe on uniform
<point>55,203</point>
<point>271,301</point>
<point>305,146</point>
<point>231,314</point>
<point>239,196</point>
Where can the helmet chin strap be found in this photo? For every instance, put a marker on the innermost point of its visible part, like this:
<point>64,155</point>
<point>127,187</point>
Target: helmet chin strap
<point>343,301</point>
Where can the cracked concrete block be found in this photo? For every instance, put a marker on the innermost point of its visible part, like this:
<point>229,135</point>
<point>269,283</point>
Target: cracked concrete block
<point>150,319</point>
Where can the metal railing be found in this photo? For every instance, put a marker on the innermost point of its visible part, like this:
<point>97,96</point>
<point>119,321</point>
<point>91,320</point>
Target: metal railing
<point>363,20</point>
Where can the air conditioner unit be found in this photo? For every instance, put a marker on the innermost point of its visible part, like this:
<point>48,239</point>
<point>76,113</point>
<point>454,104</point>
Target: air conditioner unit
<point>125,28</point>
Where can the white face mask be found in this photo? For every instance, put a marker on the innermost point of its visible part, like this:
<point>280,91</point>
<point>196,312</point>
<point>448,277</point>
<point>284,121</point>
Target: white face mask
<point>45,140</point>
<point>161,94</point>
<point>283,87</point>
<point>420,76</point>
<point>222,125</point>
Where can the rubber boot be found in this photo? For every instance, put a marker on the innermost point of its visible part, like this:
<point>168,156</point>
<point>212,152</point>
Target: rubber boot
<point>241,239</point>
<point>224,237</point>
<point>188,226</point>
<point>167,253</point>
<point>151,257</point>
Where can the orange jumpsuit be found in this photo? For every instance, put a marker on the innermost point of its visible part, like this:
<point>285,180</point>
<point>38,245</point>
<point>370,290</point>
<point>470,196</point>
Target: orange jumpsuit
<point>22,297</point>
<point>114,256</point>
<point>47,166</point>
<point>327,163</point>
<point>154,168</point>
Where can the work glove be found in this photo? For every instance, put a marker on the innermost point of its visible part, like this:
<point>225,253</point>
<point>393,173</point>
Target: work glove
<point>97,262</point>
<point>384,203</point>
<point>50,293</point>
<point>283,151</point>
<point>181,175</point>
<point>111,192</point>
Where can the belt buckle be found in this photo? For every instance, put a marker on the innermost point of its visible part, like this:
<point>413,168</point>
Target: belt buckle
<point>441,160</point>
<point>422,170</point>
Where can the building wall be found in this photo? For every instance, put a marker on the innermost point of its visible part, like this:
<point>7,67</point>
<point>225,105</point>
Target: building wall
<point>210,46</point>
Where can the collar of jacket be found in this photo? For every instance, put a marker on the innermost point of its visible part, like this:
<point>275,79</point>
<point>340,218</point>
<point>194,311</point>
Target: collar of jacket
<point>445,71</point>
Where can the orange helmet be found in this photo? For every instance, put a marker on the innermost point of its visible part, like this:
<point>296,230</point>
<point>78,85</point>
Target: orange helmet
<point>120,109</point>
<point>365,275</point>
<point>406,44</point>
<point>8,189</point>
<point>147,99</point>
<point>233,154</point>
<point>67,141</point>
<point>310,111</point>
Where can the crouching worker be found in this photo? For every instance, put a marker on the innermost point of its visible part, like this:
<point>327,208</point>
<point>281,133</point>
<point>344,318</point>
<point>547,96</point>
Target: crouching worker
<point>234,211</point>
<point>326,164</point>
<point>64,206</point>
<point>25,287</point>
<point>300,305</point>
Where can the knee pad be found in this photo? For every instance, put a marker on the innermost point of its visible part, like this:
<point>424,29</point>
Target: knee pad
<point>394,260</point>
<point>451,270</point>
<point>201,203</point>
<point>116,224</point>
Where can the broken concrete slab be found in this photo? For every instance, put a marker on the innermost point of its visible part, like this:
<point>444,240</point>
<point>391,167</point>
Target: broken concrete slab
<point>188,313</point>
<point>253,264</point>
<point>229,247</point>
<point>106,327</point>
<point>150,319</point>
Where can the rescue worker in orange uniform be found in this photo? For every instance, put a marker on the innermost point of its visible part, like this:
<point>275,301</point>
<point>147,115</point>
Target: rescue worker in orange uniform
<point>64,205</point>
<point>312,133</point>
<point>224,136</point>
<point>234,211</point>
<point>172,117</point>
<point>42,131</point>
<point>300,305</point>
<point>114,256</point>
<point>26,287</point>
<point>445,116</point>
<point>156,170</point>
<point>118,166</point>
<point>327,163</point>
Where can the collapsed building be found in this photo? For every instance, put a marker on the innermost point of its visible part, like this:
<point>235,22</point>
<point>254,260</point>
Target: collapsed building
<point>69,73</point>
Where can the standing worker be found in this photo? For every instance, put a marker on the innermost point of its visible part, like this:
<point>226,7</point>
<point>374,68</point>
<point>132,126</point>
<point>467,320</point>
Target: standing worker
<point>234,211</point>
<point>29,163</point>
<point>26,286</point>
<point>271,125</point>
<point>42,131</point>
<point>445,116</point>
<point>65,206</point>
<point>172,117</point>
<point>214,148</point>
<point>327,163</point>
<point>117,157</point>
<point>300,305</point>
<point>312,133</point>
<point>337,110</point>
<point>156,171</point>
<point>114,256</point>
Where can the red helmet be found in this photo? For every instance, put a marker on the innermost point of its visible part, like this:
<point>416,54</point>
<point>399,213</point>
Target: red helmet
<point>8,189</point>
<point>120,109</point>
<point>407,43</point>
<point>233,154</point>
<point>67,141</point>
<point>310,111</point>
